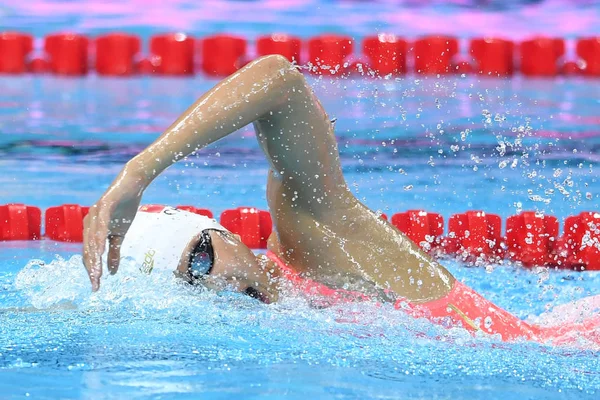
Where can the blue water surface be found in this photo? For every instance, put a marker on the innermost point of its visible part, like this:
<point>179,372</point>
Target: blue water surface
<point>445,145</point>
<point>442,145</point>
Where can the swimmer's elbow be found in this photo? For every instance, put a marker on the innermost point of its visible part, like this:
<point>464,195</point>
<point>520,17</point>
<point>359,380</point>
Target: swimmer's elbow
<point>279,67</point>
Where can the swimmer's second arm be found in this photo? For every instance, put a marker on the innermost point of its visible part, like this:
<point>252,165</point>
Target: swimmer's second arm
<point>261,87</point>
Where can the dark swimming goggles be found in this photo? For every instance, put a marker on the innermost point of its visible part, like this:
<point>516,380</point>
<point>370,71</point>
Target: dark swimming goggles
<point>202,258</point>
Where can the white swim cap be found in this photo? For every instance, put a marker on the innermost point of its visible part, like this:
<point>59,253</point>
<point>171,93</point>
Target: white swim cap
<point>159,236</point>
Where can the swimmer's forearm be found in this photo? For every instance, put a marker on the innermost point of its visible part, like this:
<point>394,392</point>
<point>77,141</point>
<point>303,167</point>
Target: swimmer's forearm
<point>259,88</point>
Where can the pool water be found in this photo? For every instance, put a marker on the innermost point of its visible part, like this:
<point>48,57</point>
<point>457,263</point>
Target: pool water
<point>444,145</point>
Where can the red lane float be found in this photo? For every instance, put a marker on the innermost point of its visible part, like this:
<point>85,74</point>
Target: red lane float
<point>570,68</point>
<point>200,211</point>
<point>147,66</point>
<point>38,66</point>
<point>278,43</point>
<point>67,53</point>
<point>434,54</point>
<point>539,56</point>
<point>20,222</point>
<point>65,223</point>
<point>328,54</point>
<point>589,51</point>
<point>423,228</point>
<point>222,55</point>
<point>171,54</point>
<point>358,67</point>
<point>580,245</point>
<point>530,238</point>
<point>115,54</point>
<point>462,68</point>
<point>14,49</point>
<point>253,225</point>
<point>493,57</point>
<point>386,54</point>
<point>474,235</point>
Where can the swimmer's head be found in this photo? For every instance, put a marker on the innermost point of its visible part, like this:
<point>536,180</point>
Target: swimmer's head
<point>197,249</point>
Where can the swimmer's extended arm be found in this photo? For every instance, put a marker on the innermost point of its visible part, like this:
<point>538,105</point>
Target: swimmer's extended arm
<point>266,91</point>
<point>260,88</point>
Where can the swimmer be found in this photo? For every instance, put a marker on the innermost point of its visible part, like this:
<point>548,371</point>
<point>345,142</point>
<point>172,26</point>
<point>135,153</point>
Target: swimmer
<point>323,236</point>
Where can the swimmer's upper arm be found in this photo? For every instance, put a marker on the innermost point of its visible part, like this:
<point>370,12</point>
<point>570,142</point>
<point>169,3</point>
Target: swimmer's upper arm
<point>299,141</point>
<point>292,127</point>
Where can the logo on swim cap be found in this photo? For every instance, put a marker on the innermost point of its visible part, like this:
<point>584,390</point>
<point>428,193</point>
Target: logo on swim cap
<point>148,264</point>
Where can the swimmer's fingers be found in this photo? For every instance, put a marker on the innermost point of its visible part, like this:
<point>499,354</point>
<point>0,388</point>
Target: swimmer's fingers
<point>95,234</point>
<point>114,252</point>
<point>88,254</point>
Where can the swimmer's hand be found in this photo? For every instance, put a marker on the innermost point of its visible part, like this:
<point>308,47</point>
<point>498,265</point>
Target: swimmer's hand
<point>109,220</point>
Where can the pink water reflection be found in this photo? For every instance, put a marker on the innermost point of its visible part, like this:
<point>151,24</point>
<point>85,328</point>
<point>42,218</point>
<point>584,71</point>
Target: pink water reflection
<point>305,17</point>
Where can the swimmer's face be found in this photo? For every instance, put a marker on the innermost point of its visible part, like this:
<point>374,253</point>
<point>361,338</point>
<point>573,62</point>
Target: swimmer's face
<point>235,267</point>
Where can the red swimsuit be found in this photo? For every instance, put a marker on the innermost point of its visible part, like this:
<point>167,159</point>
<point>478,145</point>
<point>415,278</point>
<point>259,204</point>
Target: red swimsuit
<point>462,307</point>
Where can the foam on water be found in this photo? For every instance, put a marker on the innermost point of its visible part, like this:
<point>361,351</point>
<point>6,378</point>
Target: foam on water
<point>62,285</point>
<point>139,331</point>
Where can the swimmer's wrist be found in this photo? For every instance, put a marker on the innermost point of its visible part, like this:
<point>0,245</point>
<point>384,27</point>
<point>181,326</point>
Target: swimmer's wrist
<point>139,173</point>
